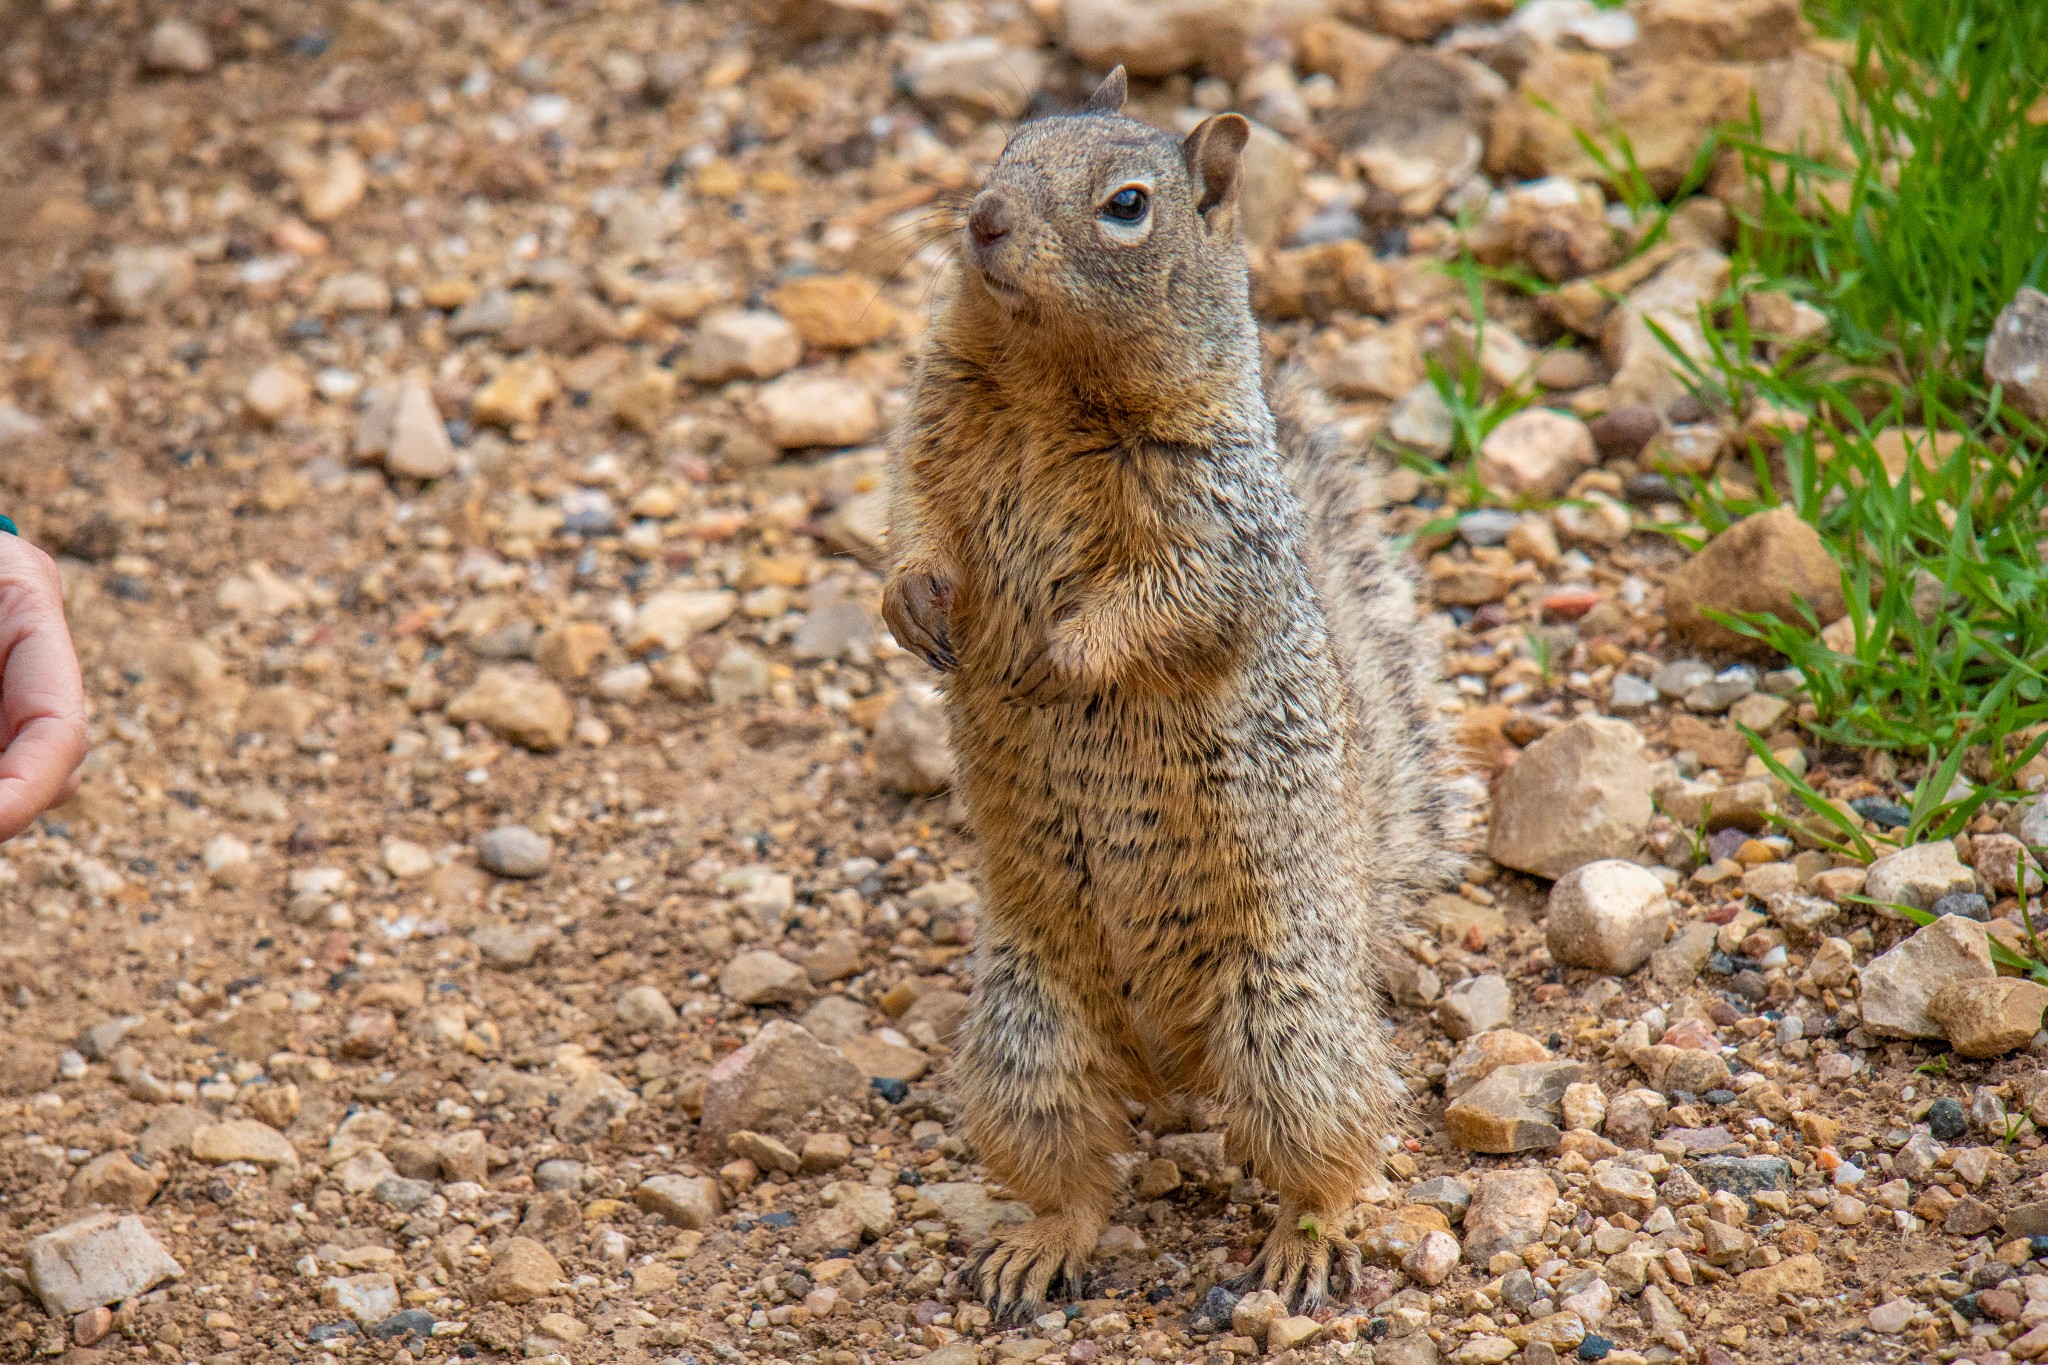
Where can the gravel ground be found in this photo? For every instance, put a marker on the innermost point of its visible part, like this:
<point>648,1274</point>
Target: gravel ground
<point>514,907</point>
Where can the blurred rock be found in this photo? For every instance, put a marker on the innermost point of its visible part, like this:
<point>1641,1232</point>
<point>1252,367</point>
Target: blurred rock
<point>2016,354</point>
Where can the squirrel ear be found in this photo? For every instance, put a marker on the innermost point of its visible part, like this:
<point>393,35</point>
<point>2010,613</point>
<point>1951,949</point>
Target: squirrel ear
<point>1214,153</point>
<point>1109,96</point>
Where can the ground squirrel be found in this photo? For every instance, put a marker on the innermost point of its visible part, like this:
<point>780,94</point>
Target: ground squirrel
<point>1188,698</point>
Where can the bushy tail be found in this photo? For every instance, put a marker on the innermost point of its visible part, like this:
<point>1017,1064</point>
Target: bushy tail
<point>1418,807</point>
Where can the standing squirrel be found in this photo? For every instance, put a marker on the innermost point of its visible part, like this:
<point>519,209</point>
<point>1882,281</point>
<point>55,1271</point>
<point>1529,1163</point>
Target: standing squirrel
<point>1188,696</point>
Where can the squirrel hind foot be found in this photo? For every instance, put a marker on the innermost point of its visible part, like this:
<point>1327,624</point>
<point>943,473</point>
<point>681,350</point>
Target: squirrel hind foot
<point>1305,1265</point>
<point>1022,1266</point>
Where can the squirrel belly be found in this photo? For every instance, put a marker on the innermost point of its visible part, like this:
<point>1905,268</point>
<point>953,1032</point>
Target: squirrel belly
<point>1188,697</point>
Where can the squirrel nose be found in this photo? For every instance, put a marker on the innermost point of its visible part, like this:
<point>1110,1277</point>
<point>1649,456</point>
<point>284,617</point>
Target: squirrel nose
<point>991,219</point>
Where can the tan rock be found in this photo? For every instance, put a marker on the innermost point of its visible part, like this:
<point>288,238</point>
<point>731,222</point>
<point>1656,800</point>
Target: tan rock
<point>524,1271</point>
<point>1535,453</point>
<point>516,396</point>
<point>1580,793</point>
<point>517,705</point>
<point>1988,1017</point>
<point>1767,562</point>
<point>835,312</point>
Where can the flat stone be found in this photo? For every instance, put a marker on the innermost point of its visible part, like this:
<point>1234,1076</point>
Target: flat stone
<point>1897,986</point>
<point>114,1180</point>
<point>776,1078</point>
<point>96,1260</point>
<point>733,343</point>
<point>880,1057</point>
<point>759,977</point>
<point>1448,1196</point>
<point>1486,1053</point>
<point>243,1140</point>
<point>801,410</point>
<point>1516,1109</point>
<point>971,1207</point>
<point>1608,916</point>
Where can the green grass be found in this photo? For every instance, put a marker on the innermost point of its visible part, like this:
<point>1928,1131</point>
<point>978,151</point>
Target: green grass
<point>1910,253</point>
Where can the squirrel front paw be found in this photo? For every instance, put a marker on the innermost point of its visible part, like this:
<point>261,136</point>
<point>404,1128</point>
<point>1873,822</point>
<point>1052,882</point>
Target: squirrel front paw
<point>1050,673</point>
<point>918,605</point>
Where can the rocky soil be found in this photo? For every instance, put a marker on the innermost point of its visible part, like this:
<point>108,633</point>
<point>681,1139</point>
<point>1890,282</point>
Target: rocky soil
<point>515,907</point>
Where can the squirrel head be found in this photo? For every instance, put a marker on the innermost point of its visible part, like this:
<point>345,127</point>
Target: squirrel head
<point>1094,227</point>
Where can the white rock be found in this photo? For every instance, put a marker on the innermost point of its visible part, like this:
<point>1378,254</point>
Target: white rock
<point>1918,876</point>
<point>734,343</point>
<point>669,620</point>
<point>175,46</point>
<point>1608,916</point>
<point>97,1260</point>
<point>1580,793</point>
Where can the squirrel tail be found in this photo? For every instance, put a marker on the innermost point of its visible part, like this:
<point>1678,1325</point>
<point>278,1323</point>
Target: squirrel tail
<point>1420,807</point>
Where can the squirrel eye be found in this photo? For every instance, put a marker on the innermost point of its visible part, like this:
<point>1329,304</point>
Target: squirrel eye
<point>1127,205</point>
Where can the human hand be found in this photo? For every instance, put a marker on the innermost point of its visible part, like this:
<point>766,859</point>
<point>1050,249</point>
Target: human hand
<point>42,702</point>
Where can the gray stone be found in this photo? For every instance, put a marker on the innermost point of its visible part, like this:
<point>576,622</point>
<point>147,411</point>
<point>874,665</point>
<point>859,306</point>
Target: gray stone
<point>515,851</point>
<point>97,1260</point>
<point>1746,1176</point>
<point>1630,693</point>
<point>560,1173</point>
<point>1679,677</point>
<point>1722,690</point>
<point>1447,1196</point>
<point>404,1195</point>
<point>1476,1004</point>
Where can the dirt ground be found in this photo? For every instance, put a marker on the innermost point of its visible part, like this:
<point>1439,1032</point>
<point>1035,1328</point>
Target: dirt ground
<point>256,986</point>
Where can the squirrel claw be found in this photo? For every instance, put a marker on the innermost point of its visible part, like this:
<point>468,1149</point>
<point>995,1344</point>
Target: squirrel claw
<point>1306,1268</point>
<point>1046,677</point>
<point>1020,1267</point>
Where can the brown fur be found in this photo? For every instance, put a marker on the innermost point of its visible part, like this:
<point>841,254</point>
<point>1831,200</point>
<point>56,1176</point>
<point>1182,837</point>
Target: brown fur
<point>1187,693</point>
